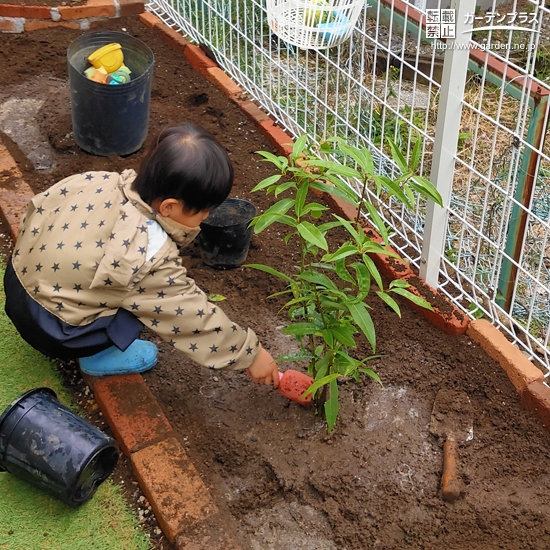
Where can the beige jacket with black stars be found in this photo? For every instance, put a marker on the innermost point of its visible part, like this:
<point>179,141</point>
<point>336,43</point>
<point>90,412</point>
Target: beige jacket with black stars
<point>82,253</point>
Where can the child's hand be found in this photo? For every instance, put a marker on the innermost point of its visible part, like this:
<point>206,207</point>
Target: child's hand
<point>264,369</point>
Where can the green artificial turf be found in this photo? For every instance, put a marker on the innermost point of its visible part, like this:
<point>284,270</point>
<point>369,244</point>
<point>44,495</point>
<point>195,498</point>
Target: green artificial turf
<point>31,519</point>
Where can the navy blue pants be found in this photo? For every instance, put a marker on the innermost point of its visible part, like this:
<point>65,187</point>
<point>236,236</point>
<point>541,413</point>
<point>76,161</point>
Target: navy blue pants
<point>57,339</point>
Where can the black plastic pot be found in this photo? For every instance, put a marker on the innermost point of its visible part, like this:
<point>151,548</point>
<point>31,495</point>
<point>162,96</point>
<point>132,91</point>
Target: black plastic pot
<point>225,236</point>
<point>110,119</point>
<point>45,443</point>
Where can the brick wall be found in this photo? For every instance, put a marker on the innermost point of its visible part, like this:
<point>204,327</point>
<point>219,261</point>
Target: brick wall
<point>18,18</point>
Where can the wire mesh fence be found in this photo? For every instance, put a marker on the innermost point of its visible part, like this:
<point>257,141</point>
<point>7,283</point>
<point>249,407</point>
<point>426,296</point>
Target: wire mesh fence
<point>387,81</point>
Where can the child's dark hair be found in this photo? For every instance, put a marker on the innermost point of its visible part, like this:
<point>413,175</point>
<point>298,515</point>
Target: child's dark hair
<point>186,163</point>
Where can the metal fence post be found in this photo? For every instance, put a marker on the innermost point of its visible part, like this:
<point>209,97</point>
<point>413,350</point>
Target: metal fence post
<point>455,67</point>
<point>525,188</point>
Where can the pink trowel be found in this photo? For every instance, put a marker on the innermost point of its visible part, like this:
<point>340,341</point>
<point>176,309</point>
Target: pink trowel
<point>292,385</point>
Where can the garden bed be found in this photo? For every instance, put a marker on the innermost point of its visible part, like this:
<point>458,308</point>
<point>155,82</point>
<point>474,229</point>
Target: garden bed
<point>373,483</point>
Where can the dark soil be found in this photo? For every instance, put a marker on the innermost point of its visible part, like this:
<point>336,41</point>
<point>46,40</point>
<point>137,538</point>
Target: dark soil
<point>375,482</point>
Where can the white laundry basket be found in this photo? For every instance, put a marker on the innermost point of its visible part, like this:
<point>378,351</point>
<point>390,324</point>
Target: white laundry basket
<point>313,24</point>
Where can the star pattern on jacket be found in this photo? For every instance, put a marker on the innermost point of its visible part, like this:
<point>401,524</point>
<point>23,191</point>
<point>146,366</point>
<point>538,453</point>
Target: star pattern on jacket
<point>82,254</point>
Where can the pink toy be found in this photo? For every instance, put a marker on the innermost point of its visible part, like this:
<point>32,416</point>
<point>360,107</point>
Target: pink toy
<point>292,385</point>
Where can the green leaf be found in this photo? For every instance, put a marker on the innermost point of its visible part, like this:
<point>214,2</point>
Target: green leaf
<point>338,189</point>
<point>399,283</point>
<point>331,305</point>
<point>426,189</point>
<point>301,196</point>
<point>265,220</point>
<point>328,337</point>
<point>321,382</point>
<point>271,271</point>
<point>362,157</point>
<point>311,234</point>
<point>267,182</point>
<point>322,366</point>
<point>331,406</point>
<point>346,250</point>
<point>378,221</point>
<point>373,270</point>
<point>350,228</point>
<point>398,157</point>
<point>419,301</point>
<point>363,276</point>
<point>363,320</point>
<point>324,227</point>
<point>415,155</point>
<point>280,162</point>
<point>298,147</point>
<point>301,329</point>
<point>317,279</point>
<point>273,214</point>
<point>393,188</point>
<point>344,334</point>
<point>388,300</point>
<point>216,298</point>
<point>372,374</point>
<point>315,209</point>
<point>343,273</point>
<point>283,187</point>
<point>343,171</point>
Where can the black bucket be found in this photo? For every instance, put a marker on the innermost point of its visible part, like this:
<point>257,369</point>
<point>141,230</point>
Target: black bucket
<point>225,236</point>
<point>110,119</point>
<point>44,443</point>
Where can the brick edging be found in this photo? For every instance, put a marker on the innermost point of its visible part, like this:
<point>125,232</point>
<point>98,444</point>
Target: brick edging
<point>18,18</point>
<point>179,498</point>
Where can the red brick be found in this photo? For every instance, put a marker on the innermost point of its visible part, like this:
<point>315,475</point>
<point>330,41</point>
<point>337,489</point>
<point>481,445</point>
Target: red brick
<point>252,110</point>
<point>521,372</point>
<point>94,8</point>
<point>280,139</point>
<point>131,411</point>
<point>29,12</point>
<point>36,25</point>
<point>150,20</point>
<point>131,7</point>
<point>8,24</point>
<point>199,60</point>
<point>536,398</point>
<point>173,487</point>
<point>172,37</point>
<point>451,322</point>
<point>222,81</point>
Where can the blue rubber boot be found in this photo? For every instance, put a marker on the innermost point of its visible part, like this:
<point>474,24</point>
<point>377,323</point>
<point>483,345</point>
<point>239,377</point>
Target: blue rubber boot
<point>139,356</point>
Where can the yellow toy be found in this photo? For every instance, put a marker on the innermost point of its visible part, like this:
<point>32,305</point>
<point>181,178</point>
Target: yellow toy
<point>110,57</point>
